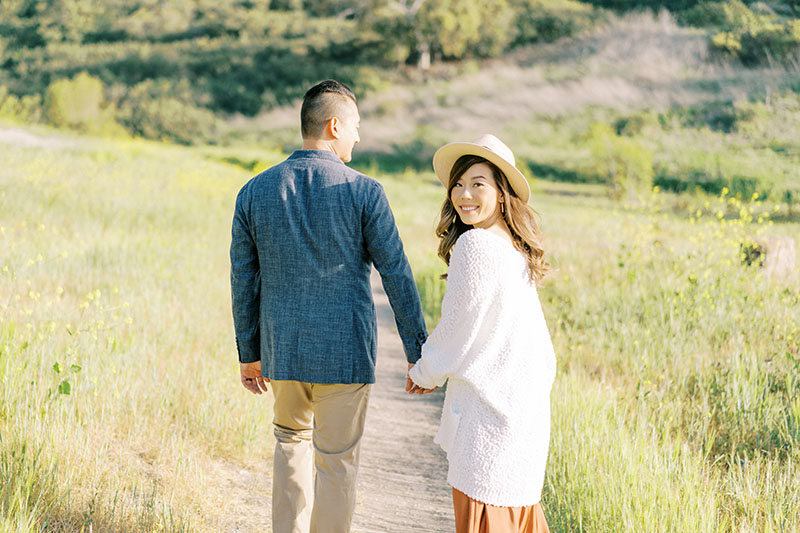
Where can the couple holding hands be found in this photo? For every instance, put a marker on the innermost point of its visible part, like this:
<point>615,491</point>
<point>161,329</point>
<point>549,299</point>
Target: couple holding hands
<point>306,233</point>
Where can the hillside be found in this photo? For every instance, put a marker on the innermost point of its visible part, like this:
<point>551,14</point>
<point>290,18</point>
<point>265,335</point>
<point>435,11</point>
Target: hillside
<point>178,70</point>
<point>698,120</point>
<point>677,99</point>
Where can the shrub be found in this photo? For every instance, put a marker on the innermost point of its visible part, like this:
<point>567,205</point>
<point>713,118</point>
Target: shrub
<point>26,109</point>
<point>753,37</point>
<point>719,116</point>
<point>693,180</point>
<point>627,165</point>
<point>80,104</point>
<point>778,42</point>
<point>548,21</point>
<point>159,110</point>
<point>740,18</point>
<point>635,124</point>
<point>552,172</point>
<point>74,103</point>
<point>172,120</point>
<point>703,15</point>
<point>727,42</point>
<point>626,5</point>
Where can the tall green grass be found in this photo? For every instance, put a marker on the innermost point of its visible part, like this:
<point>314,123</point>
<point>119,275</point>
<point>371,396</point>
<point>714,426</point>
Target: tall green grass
<point>118,375</point>
<point>674,408</point>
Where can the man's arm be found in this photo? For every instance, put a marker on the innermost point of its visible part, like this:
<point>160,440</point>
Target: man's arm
<point>245,285</point>
<point>386,251</point>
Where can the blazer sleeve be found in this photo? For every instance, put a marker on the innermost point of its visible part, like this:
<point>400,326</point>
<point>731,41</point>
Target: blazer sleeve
<point>245,285</point>
<point>471,287</point>
<point>386,252</point>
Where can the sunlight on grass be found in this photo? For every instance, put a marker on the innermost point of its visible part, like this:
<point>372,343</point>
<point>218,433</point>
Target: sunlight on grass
<point>674,408</point>
<point>119,376</point>
<point>679,366</point>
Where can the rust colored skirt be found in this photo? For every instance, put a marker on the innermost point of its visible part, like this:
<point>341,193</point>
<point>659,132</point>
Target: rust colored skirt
<point>477,517</point>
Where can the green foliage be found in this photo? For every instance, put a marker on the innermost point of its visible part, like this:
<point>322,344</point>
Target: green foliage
<point>330,8</point>
<point>635,124</point>
<point>704,14</point>
<point>627,165</point>
<point>727,42</point>
<point>79,104</point>
<point>626,5</point>
<point>741,187</point>
<point>459,28</point>
<point>550,20</point>
<point>242,57</point>
<point>74,103</point>
<point>717,116</point>
<point>28,486</point>
<point>414,32</point>
<point>779,42</point>
<point>159,110</point>
<point>740,18</point>
<point>25,109</point>
<point>747,147</point>
<point>553,172</point>
<point>752,37</point>
<point>239,57</point>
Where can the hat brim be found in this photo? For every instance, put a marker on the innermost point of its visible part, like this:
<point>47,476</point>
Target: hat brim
<point>446,156</point>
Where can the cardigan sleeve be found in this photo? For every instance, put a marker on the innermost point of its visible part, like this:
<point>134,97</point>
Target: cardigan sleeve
<point>471,287</point>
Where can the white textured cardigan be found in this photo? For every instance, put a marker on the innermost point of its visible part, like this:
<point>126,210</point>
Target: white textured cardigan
<point>493,348</point>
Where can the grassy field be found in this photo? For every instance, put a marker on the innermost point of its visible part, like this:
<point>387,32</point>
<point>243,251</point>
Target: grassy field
<point>119,389</point>
<point>675,407</point>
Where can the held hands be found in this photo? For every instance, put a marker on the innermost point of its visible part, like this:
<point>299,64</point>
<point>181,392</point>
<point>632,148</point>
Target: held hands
<point>413,388</point>
<point>252,378</point>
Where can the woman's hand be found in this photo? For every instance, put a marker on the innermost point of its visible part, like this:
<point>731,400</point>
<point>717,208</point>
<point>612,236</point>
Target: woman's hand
<point>413,388</point>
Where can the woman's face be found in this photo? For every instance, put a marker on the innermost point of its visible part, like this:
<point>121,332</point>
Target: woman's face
<point>476,196</point>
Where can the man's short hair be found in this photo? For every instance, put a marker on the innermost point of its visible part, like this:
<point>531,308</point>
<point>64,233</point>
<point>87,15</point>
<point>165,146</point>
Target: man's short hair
<point>320,105</point>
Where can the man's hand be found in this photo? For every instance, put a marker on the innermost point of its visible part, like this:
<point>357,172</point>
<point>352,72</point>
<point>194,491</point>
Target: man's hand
<point>252,378</point>
<point>413,388</point>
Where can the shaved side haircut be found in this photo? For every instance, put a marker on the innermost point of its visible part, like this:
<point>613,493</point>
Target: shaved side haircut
<point>320,104</point>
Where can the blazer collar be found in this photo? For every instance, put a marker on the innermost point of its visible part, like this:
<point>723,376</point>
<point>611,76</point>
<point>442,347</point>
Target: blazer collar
<point>315,154</point>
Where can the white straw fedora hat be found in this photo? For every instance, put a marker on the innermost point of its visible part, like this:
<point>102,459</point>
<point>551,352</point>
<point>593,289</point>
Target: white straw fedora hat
<point>490,148</point>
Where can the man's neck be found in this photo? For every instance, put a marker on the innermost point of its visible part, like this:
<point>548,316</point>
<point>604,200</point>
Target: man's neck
<point>318,144</point>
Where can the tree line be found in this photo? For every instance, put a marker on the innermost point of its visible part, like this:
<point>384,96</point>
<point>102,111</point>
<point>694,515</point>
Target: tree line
<point>170,68</point>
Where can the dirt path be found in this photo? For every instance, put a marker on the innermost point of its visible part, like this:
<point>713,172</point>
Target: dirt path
<point>403,476</point>
<point>21,137</point>
<point>402,481</point>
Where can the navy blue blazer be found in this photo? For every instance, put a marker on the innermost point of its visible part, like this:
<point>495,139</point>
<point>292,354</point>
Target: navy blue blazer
<point>305,234</point>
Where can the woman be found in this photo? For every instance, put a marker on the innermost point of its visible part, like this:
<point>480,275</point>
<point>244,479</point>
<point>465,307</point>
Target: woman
<point>491,345</point>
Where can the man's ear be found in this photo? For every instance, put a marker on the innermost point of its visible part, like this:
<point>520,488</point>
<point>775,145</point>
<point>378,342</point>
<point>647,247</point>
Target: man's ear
<point>334,127</point>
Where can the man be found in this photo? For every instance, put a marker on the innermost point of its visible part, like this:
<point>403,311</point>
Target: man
<point>305,233</point>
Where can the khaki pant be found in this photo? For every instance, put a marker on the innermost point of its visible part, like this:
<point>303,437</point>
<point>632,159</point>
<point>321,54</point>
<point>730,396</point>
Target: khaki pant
<point>318,429</point>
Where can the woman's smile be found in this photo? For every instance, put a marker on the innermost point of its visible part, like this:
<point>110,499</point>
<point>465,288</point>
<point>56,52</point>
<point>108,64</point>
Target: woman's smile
<point>476,196</point>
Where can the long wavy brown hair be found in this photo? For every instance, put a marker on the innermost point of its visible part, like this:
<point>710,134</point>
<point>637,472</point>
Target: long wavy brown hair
<point>520,218</point>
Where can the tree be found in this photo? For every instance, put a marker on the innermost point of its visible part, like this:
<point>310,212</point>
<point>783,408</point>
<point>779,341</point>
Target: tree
<point>419,30</point>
